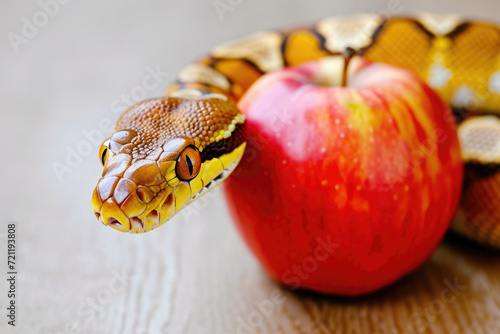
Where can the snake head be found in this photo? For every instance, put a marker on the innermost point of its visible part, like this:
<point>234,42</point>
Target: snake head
<point>165,154</point>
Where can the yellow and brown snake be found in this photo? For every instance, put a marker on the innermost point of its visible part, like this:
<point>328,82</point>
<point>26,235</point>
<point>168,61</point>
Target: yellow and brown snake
<point>168,151</point>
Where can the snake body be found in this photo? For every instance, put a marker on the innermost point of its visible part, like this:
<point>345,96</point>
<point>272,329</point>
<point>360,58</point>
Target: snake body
<point>168,151</point>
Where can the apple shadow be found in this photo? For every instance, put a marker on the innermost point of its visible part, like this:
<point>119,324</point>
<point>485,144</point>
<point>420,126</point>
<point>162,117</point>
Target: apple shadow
<point>471,248</point>
<point>405,287</point>
<point>398,291</point>
<point>422,286</point>
<point>445,286</point>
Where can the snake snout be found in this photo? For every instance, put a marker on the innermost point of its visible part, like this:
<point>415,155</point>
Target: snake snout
<point>107,202</point>
<point>127,207</point>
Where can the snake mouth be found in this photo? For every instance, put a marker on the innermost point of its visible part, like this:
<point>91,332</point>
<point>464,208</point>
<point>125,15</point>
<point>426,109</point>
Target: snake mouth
<point>117,225</point>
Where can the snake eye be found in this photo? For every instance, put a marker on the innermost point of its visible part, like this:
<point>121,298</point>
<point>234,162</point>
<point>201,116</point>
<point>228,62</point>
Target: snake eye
<point>103,151</point>
<point>188,164</point>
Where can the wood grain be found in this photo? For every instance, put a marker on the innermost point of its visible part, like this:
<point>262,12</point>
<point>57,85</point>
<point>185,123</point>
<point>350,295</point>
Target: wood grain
<point>196,276</point>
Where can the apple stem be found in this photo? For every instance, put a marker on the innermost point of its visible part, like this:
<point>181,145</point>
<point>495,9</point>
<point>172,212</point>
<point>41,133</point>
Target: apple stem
<point>348,55</point>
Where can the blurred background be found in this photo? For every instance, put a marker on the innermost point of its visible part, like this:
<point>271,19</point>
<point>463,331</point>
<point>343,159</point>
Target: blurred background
<point>65,80</point>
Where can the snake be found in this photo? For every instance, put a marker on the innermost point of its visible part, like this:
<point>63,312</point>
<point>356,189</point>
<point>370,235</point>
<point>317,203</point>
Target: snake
<point>166,152</point>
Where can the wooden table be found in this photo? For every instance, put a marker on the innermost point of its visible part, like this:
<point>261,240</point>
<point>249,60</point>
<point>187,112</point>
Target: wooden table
<point>197,277</point>
<point>195,274</point>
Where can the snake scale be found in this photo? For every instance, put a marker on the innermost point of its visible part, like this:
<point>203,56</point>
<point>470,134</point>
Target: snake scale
<point>168,151</point>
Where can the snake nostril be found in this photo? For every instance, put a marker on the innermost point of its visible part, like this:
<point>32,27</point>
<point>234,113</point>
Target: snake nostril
<point>145,195</point>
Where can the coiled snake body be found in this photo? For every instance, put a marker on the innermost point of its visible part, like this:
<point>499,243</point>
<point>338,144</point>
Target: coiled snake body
<point>168,151</point>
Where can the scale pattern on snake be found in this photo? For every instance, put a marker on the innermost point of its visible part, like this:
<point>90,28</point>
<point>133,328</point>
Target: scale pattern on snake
<point>168,151</point>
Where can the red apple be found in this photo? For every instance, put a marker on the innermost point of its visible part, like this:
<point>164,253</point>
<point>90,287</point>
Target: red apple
<point>343,190</point>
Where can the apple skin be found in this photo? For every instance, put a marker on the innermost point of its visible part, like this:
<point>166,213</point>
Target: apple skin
<point>344,190</point>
